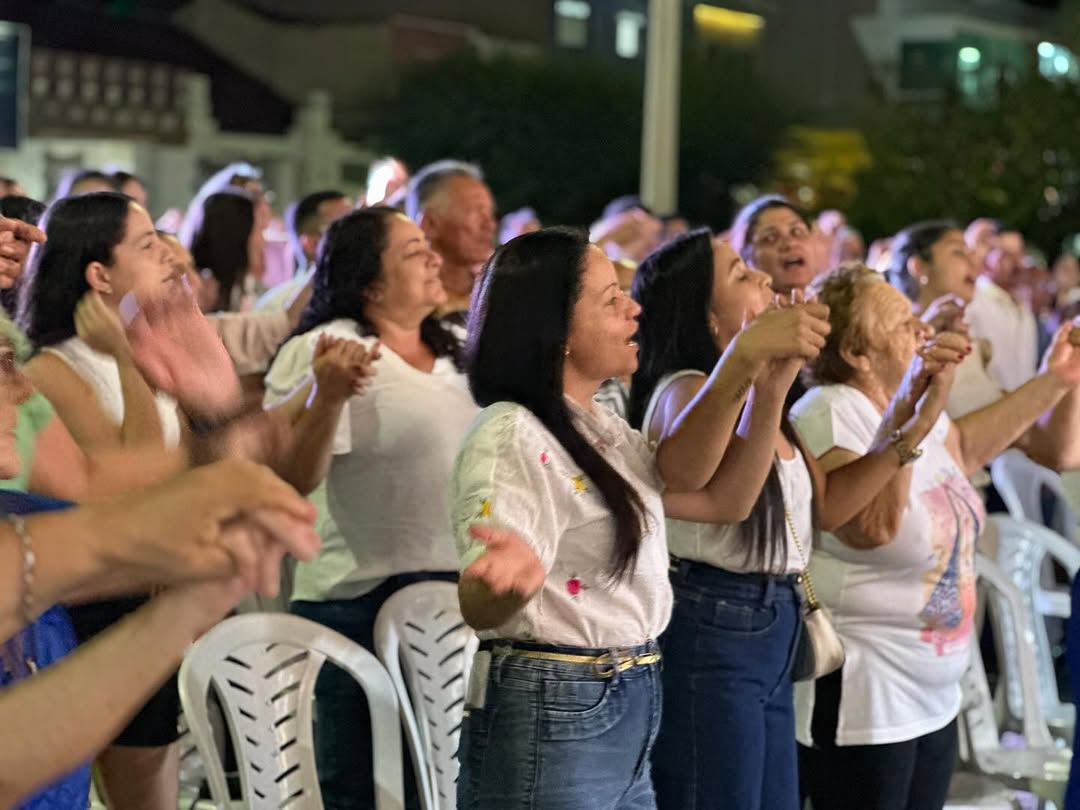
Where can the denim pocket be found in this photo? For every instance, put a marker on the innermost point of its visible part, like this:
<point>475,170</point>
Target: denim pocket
<point>736,618</point>
<point>577,709</point>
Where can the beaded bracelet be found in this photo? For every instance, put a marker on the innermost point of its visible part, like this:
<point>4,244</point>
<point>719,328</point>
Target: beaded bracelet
<point>26,603</point>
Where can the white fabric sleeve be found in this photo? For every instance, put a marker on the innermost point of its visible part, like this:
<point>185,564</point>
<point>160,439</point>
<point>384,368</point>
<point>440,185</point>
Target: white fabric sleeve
<point>502,478</point>
<point>835,417</point>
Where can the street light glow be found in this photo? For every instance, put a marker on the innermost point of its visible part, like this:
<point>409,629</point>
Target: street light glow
<point>970,56</point>
<point>717,20</point>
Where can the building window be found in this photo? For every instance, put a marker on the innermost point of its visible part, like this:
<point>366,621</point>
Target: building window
<point>572,23</point>
<point>628,28</point>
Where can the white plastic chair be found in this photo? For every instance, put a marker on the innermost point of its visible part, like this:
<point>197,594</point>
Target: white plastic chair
<point>1024,548</point>
<point>1040,767</point>
<point>970,791</point>
<point>425,645</point>
<point>263,667</point>
<point>1020,483</point>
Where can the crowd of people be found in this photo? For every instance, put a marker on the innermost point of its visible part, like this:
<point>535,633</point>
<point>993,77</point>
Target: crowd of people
<point>635,446</point>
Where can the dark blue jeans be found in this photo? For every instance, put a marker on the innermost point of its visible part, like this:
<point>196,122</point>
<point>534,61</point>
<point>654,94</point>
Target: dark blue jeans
<point>343,747</point>
<point>728,739</point>
<point>560,736</point>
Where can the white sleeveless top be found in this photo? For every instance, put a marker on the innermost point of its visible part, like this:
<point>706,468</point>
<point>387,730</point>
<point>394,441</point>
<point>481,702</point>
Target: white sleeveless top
<point>724,545</point>
<point>100,372</point>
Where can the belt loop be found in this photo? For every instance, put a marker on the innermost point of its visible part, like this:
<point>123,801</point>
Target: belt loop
<point>770,590</point>
<point>615,674</point>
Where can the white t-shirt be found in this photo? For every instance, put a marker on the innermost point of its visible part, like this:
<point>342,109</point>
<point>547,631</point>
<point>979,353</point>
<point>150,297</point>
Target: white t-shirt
<point>382,509</point>
<point>101,373</point>
<point>1010,328</point>
<point>513,473</point>
<point>725,546</point>
<point>904,610</point>
<point>973,388</point>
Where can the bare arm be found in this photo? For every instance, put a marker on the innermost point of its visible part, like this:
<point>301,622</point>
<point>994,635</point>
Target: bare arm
<point>77,405</point>
<point>985,433</point>
<point>1054,440</point>
<point>62,469</point>
<point>697,418</point>
<point>730,495</point>
<point>697,424</point>
<point>72,710</point>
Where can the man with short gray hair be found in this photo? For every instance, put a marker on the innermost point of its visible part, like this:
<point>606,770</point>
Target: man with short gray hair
<point>453,205</point>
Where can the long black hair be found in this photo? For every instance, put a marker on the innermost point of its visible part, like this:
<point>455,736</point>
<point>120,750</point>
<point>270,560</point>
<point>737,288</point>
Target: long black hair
<point>674,287</point>
<point>915,240</point>
<point>81,230</point>
<point>219,240</point>
<point>518,329</point>
<point>348,263</point>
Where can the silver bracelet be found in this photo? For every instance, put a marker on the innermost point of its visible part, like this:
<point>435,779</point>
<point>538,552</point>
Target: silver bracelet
<point>26,602</point>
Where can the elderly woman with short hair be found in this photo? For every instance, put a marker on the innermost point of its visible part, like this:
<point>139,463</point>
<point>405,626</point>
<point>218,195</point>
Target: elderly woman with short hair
<point>900,578</point>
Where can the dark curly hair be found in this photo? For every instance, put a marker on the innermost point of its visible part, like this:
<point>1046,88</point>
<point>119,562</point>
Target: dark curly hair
<point>348,263</point>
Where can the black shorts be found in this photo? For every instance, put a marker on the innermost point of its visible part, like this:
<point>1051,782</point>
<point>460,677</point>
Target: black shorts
<point>155,723</point>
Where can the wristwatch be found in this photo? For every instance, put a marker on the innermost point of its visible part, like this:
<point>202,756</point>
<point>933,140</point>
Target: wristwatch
<point>905,451</point>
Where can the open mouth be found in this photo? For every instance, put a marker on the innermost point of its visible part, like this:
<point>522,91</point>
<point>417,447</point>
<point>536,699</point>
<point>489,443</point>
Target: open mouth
<point>793,263</point>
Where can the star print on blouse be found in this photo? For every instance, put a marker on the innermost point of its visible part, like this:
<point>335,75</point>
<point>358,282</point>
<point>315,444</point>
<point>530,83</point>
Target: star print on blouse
<point>579,484</point>
<point>485,509</point>
<point>574,586</point>
<point>545,458</point>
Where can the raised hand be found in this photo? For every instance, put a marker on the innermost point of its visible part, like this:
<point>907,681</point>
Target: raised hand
<point>15,240</point>
<point>785,331</point>
<point>343,367</point>
<point>508,566</point>
<point>946,314</point>
<point>179,352</point>
<point>1062,359</point>
<point>925,387</point>
<point>100,327</point>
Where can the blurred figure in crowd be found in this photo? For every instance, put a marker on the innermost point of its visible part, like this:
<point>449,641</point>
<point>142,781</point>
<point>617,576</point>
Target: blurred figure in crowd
<point>454,207</point>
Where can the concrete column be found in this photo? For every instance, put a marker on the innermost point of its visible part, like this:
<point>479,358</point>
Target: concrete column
<point>660,132</point>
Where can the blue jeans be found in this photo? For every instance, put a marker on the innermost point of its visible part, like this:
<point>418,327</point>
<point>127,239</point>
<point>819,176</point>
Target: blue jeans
<point>560,736</point>
<point>343,747</point>
<point>728,739</point>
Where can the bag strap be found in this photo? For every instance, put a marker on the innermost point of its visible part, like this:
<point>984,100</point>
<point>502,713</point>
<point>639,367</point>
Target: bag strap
<point>804,575</point>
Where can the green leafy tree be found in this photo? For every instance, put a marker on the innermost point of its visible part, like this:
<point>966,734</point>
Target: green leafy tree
<point>1018,161</point>
<point>564,134</point>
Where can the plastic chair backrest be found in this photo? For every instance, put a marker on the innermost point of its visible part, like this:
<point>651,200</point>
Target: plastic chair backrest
<point>425,645</point>
<point>1005,603</point>
<point>263,668</point>
<point>1020,482</point>
<point>1023,549</point>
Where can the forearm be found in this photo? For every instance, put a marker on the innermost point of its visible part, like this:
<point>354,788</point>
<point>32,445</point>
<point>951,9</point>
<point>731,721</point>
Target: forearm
<point>484,610</point>
<point>64,546</point>
<point>863,499</point>
<point>987,432</point>
<point>306,463</point>
<point>105,472</point>
<point>690,453</point>
<point>1054,440</point>
<point>73,709</point>
<point>142,424</point>
<point>738,480</point>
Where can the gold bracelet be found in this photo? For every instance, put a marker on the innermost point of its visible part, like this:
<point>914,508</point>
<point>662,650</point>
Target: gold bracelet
<point>905,451</point>
<point>26,542</point>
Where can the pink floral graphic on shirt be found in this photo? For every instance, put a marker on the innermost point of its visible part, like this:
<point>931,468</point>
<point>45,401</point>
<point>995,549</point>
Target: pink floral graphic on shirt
<point>955,523</point>
<point>574,586</point>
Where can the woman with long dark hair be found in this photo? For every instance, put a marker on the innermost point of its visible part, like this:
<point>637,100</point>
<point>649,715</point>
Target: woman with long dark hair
<point>227,239</point>
<point>559,518</point>
<point>382,507</point>
<point>736,623</point>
